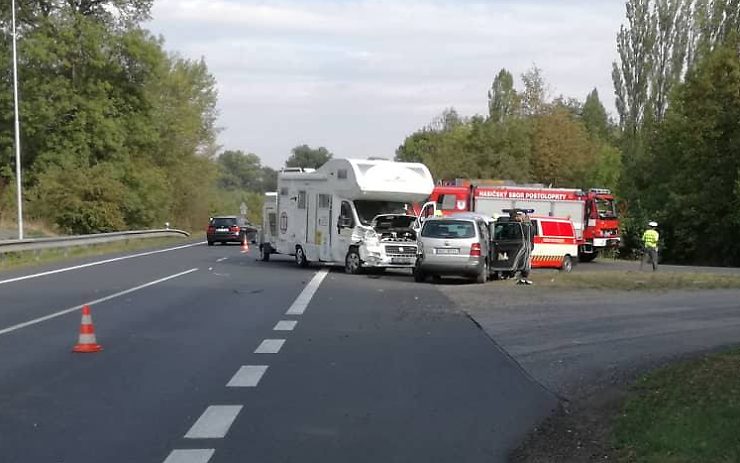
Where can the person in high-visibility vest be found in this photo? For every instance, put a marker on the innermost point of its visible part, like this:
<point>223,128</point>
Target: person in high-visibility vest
<point>650,245</point>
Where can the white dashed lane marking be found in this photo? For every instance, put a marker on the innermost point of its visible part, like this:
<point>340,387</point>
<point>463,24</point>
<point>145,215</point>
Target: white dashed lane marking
<point>300,304</point>
<point>190,456</point>
<point>221,259</point>
<point>214,423</point>
<point>248,376</point>
<point>285,325</point>
<point>270,346</point>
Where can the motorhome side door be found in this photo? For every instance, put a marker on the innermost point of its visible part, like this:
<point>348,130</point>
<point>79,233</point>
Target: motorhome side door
<point>323,231</point>
<point>342,230</point>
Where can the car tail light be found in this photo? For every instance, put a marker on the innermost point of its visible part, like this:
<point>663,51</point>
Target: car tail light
<point>211,229</point>
<point>475,250</point>
<point>234,228</point>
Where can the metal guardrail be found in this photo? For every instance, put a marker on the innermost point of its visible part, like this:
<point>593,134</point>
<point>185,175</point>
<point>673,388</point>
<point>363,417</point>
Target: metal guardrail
<point>84,240</point>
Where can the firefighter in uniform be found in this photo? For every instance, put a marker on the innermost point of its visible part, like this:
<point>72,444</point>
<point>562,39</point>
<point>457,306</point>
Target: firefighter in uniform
<point>650,245</point>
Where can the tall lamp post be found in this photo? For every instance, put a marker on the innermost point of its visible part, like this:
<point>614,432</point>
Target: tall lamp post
<point>17,132</point>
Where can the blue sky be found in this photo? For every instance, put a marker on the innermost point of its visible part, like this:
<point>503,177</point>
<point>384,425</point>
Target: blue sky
<point>357,76</point>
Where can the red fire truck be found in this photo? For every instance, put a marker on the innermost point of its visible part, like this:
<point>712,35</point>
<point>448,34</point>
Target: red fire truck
<point>592,212</point>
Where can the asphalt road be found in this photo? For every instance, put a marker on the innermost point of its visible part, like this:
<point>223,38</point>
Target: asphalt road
<point>210,355</point>
<point>577,343</point>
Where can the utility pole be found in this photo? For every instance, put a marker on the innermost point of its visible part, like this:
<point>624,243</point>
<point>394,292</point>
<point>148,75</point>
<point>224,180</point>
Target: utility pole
<point>17,132</point>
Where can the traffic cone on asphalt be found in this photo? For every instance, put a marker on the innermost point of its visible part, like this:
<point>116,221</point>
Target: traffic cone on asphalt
<point>87,343</point>
<point>245,245</point>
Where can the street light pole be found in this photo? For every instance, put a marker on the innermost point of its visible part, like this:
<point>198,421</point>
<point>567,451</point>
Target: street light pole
<point>17,133</point>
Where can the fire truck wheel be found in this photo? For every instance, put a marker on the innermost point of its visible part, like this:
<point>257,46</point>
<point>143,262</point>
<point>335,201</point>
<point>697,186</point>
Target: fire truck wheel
<point>300,257</point>
<point>567,264</point>
<point>587,257</point>
<point>353,263</point>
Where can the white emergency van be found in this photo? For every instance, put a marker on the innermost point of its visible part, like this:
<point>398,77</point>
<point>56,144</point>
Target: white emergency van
<point>350,212</point>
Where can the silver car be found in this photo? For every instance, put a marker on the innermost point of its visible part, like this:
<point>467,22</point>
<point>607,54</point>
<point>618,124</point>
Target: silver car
<point>454,245</point>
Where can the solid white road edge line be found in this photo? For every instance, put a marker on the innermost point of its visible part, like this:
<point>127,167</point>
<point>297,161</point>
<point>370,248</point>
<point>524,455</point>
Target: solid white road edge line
<point>285,325</point>
<point>300,304</point>
<point>93,264</point>
<point>215,422</point>
<point>190,456</point>
<point>270,346</point>
<point>96,301</point>
<point>248,376</point>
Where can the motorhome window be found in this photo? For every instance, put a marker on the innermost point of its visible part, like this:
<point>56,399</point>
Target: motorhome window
<point>341,174</point>
<point>606,208</point>
<point>324,201</point>
<point>301,200</point>
<point>284,191</point>
<point>448,202</point>
<point>451,229</point>
<point>272,219</point>
<point>367,210</point>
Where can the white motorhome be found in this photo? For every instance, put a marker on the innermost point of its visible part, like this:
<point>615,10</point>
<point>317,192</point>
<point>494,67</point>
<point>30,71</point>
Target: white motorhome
<point>350,212</point>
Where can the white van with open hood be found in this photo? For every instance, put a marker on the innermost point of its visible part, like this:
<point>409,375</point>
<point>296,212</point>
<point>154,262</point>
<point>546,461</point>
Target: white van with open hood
<point>351,212</point>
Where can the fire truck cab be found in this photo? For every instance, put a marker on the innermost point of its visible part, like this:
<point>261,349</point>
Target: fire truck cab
<point>592,212</point>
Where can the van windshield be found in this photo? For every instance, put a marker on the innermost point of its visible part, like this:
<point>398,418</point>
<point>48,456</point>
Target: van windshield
<point>448,229</point>
<point>367,210</point>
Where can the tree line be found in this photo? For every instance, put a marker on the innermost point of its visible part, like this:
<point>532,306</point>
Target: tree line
<point>673,154</point>
<point>116,132</point>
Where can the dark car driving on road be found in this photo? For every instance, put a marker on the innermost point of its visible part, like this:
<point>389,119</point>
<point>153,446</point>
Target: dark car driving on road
<point>223,229</point>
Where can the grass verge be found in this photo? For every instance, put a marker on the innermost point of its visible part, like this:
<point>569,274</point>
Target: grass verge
<point>689,412</point>
<point>14,260</point>
<point>630,280</point>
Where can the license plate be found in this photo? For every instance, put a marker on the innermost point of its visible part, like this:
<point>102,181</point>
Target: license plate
<point>447,251</point>
<point>400,261</point>
<point>222,229</point>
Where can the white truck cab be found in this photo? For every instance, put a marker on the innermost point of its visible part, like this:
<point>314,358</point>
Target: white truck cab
<point>350,212</point>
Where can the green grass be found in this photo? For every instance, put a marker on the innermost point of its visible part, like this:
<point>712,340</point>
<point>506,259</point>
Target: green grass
<point>685,413</point>
<point>14,260</point>
<point>631,280</point>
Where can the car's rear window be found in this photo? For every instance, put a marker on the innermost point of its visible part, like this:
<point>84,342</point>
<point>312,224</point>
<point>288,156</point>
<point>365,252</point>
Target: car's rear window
<point>448,229</point>
<point>223,222</point>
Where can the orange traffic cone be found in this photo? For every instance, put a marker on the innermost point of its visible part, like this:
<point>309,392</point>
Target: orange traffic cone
<point>86,343</point>
<point>245,245</point>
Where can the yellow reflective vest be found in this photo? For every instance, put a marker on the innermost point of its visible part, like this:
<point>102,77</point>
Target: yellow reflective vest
<point>650,239</point>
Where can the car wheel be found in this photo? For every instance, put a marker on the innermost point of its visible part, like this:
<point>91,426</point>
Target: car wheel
<point>496,276</point>
<point>567,265</point>
<point>264,254</point>
<point>419,275</point>
<point>436,279</point>
<point>210,243</point>
<point>300,257</point>
<point>482,275</point>
<point>353,263</point>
